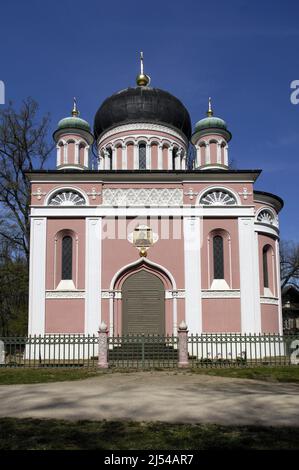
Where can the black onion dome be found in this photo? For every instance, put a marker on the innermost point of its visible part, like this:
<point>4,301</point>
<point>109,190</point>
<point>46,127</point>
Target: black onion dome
<point>142,104</point>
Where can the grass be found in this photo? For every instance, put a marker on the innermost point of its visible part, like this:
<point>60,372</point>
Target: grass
<point>36,434</point>
<point>31,376</point>
<point>271,374</point>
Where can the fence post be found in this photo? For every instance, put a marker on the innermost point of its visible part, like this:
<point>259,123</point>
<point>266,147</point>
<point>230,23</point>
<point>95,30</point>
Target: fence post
<point>183,345</point>
<point>103,346</point>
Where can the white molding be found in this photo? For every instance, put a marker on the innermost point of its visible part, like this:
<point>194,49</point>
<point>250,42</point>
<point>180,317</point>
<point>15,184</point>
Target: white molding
<point>93,259</point>
<point>269,300</point>
<point>220,294</point>
<point>108,294</point>
<point>277,259</point>
<point>169,294</point>
<point>37,276</point>
<point>66,284</point>
<point>175,294</point>
<point>256,281</point>
<point>124,157</point>
<point>102,211</point>
<point>219,284</point>
<point>71,294</point>
<point>247,247</point>
<point>160,156</point>
<point>142,126</point>
<point>269,230</point>
<point>192,263</point>
<point>141,261</point>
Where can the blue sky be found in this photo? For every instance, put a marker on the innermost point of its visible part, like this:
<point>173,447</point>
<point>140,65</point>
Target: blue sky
<point>242,53</point>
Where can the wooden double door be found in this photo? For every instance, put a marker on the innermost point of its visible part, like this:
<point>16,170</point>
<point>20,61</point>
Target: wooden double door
<point>143,304</point>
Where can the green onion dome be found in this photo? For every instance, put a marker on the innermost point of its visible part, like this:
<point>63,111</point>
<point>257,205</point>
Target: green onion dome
<point>73,122</point>
<point>210,122</point>
<point>210,125</point>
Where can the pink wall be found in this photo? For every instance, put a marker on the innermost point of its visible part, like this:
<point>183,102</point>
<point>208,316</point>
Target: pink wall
<point>234,187</point>
<point>270,317</point>
<point>53,264</point>
<point>154,156</point>
<point>161,252</point>
<point>48,187</point>
<point>221,315</point>
<point>64,316</point>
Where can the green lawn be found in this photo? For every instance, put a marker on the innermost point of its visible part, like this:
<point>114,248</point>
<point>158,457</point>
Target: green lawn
<point>29,376</point>
<point>272,374</point>
<point>35,434</point>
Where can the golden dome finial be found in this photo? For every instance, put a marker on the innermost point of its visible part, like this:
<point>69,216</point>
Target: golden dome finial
<point>75,112</point>
<point>142,79</point>
<point>210,111</point>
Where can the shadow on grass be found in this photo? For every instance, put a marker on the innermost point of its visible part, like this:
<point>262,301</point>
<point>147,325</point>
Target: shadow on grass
<point>34,434</point>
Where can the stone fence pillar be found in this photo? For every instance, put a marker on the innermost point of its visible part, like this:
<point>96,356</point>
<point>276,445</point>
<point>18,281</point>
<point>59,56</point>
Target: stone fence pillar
<point>103,346</point>
<point>183,345</point>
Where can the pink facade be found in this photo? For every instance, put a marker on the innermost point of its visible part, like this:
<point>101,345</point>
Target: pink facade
<point>141,208</point>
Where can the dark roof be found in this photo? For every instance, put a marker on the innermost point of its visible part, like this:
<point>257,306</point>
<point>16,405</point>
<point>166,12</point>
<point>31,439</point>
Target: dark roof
<point>142,104</point>
<point>270,195</point>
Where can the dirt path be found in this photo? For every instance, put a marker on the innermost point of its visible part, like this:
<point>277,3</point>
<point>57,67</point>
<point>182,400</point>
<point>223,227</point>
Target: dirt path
<point>162,396</point>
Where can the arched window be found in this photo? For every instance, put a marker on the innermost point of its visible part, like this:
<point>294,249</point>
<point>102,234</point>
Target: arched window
<point>174,155</point>
<point>218,257</point>
<point>265,266</point>
<point>109,165</point>
<point>142,156</point>
<point>67,258</point>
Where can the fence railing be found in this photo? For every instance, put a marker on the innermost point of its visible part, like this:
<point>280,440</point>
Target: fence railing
<point>148,351</point>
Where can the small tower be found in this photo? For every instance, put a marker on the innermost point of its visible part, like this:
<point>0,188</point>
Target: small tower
<point>73,138</point>
<point>211,138</point>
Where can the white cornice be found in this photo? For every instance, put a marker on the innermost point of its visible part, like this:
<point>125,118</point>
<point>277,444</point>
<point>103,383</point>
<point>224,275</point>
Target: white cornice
<point>269,300</point>
<point>220,294</point>
<point>143,126</point>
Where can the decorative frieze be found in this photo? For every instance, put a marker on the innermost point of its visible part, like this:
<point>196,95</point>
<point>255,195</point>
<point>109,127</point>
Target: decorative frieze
<point>56,294</point>
<point>143,197</point>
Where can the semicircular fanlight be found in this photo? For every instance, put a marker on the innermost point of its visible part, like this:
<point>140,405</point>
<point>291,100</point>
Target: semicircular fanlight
<point>67,198</point>
<point>218,198</point>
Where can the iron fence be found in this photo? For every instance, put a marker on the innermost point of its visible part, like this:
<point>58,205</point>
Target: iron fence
<point>143,351</point>
<point>243,350</point>
<point>150,351</point>
<point>49,351</point>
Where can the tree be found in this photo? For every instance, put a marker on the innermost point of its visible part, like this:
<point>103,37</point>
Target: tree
<point>289,263</point>
<point>23,147</point>
<point>13,291</point>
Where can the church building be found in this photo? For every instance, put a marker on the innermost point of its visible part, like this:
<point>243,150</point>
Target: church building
<point>146,234</point>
